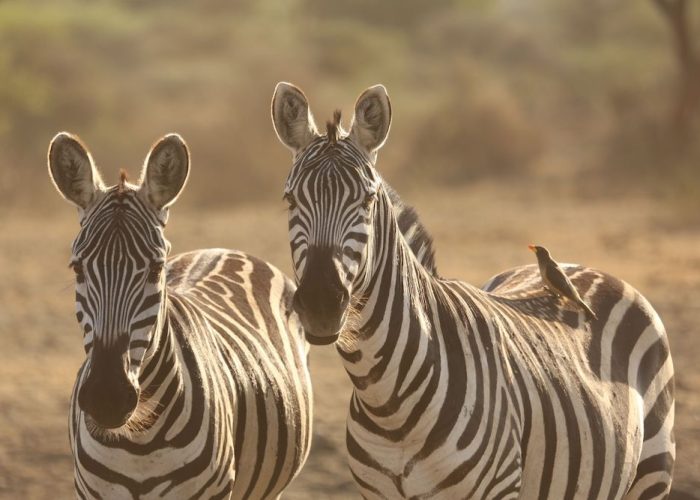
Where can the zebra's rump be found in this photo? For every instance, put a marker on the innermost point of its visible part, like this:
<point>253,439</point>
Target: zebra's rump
<point>626,330</point>
<point>600,392</point>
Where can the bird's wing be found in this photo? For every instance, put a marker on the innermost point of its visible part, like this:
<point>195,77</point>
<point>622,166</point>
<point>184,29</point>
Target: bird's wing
<point>562,283</point>
<point>590,315</point>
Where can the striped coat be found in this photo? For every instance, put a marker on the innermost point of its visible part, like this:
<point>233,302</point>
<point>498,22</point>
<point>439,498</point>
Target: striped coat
<point>501,393</point>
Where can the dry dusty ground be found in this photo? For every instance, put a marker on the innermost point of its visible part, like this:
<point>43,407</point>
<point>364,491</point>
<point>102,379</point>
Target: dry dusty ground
<point>479,231</point>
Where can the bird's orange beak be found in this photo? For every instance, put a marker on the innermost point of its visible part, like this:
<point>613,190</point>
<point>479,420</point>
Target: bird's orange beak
<point>532,247</point>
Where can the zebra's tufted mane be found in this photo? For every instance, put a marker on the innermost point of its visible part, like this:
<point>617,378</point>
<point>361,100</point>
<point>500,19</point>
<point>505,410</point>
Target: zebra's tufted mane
<point>333,128</point>
<point>123,178</point>
<point>413,231</point>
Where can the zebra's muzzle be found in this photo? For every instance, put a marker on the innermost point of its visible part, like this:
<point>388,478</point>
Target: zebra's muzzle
<point>107,395</point>
<point>321,300</point>
<point>322,323</point>
<point>314,340</point>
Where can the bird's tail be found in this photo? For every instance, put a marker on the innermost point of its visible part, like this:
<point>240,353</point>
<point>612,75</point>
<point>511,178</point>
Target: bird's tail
<point>590,315</point>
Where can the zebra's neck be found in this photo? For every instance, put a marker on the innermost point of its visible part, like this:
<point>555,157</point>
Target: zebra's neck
<point>390,325</point>
<point>161,380</point>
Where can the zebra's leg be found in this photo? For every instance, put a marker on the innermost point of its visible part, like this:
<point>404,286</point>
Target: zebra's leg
<point>654,483</point>
<point>655,468</point>
<point>658,454</point>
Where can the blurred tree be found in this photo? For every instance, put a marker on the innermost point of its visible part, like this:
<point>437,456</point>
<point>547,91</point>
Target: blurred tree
<point>687,102</point>
<point>403,14</point>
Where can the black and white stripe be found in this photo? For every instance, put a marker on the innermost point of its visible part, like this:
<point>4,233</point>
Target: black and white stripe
<point>207,340</point>
<point>461,392</point>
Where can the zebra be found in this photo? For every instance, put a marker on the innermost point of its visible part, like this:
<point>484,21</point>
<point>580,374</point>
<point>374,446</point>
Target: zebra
<point>195,383</point>
<point>461,392</point>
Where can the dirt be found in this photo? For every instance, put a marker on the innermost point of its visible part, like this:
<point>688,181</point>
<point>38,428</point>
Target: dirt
<point>479,230</point>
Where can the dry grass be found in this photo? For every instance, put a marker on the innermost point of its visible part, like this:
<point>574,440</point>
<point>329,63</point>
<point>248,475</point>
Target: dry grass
<point>479,231</point>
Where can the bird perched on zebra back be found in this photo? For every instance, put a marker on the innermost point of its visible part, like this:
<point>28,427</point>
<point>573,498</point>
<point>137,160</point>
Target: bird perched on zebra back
<point>557,282</point>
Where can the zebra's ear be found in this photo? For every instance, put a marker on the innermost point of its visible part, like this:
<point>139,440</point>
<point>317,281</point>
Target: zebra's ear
<point>72,170</point>
<point>165,171</point>
<point>370,125</point>
<point>292,118</point>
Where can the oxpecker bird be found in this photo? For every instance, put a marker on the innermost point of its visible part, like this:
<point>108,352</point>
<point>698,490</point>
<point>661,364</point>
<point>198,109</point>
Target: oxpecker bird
<point>557,282</point>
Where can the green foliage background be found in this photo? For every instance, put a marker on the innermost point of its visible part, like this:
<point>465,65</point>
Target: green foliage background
<point>578,92</point>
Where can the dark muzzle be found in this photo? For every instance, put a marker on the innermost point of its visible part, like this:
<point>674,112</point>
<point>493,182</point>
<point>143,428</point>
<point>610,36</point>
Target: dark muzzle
<point>106,394</point>
<point>321,300</point>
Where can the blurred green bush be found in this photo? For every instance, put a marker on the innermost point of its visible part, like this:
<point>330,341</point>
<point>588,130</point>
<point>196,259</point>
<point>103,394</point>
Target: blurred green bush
<point>479,88</point>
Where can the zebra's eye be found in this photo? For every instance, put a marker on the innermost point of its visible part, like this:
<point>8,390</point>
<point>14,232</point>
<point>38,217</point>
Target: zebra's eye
<point>77,268</point>
<point>154,271</point>
<point>291,201</point>
<point>369,199</point>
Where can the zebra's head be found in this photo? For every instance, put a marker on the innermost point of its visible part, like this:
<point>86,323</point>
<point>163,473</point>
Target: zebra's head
<point>333,191</point>
<point>118,258</point>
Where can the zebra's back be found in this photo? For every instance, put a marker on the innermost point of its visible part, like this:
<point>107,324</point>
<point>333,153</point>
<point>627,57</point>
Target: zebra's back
<point>263,348</point>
